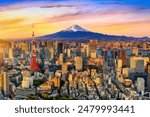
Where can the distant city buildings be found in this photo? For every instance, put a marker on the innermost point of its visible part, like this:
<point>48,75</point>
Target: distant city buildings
<point>78,63</point>
<point>82,70</point>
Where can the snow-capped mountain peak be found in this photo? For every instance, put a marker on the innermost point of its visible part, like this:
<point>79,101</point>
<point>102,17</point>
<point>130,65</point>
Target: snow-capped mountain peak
<point>75,28</point>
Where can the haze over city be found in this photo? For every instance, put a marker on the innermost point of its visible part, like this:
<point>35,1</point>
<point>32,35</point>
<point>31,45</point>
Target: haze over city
<point>115,17</point>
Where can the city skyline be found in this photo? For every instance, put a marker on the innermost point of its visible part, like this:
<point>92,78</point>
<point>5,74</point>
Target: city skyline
<point>115,17</point>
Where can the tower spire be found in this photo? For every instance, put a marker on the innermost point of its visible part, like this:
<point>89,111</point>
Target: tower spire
<point>33,31</point>
<point>34,65</point>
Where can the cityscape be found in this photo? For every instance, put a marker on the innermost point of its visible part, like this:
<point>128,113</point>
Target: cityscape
<point>75,63</point>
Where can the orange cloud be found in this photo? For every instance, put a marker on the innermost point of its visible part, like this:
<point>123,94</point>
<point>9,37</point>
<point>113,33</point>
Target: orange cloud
<point>15,21</point>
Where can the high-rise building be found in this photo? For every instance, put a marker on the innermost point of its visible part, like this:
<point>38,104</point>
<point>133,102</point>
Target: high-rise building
<point>140,84</point>
<point>1,59</point>
<point>93,44</point>
<point>119,63</point>
<point>52,53</point>
<point>148,81</point>
<point>93,53</point>
<point>86,49</point>
<point>136,63</point>
<point>68,53</point>
<point>144,46</point>
<point>122,55</point>
<point>4,83</point>
<point>49,44</point>
<point>56,81</point>
<point>1,78</point>
<point>47,53</point>
<point>59,48</point>
<point>10,53</point>
<point>61,58</point>
<point>78,63</point>
<point>139,66</point>
<point>64,68</point>
<point>135,51</point>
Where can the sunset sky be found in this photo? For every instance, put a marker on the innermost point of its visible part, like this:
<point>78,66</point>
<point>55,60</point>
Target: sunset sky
<point>117,17</point>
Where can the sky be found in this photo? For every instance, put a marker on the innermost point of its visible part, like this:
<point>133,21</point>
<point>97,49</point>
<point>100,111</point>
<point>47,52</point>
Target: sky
<point>115,17</point>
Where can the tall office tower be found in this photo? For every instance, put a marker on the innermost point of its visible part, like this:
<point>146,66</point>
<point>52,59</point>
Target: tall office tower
<point>78,63</point>
<point>68,53</point>
<point>104,53</point>
<point>43,43</point>
<point>64,68</point>
<point>47,53</point>
<point>59,48</point>
<point>4,83</point>
<point>12,45</point>
<point>33,66</point>
<point>1,59</point>
<point>144,46</point>
<point>61,58</point>
<point>87,50</point>
<point>1,78</point>
<point>134,65</point>
<point>139,66</point>
<point>56,81</point>
<point>135,51</point>
<point>93,53</point>
<point>114,53</point>
<point>93,44</point>
<point>140,84</point>
<point>10,54</point>
<point>52,53</point>
<point>119,63</point>
<point>49,44</point>
<point>148,80</point>
<point>122,55</point>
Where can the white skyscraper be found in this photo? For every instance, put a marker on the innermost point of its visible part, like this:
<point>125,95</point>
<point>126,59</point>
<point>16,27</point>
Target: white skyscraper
<point>140,84</point>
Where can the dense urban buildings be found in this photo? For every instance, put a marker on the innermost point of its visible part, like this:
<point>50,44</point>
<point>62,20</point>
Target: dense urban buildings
<point>99,70</point>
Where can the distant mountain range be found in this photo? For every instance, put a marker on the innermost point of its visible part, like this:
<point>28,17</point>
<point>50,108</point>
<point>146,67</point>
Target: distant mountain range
<point>76,32</point>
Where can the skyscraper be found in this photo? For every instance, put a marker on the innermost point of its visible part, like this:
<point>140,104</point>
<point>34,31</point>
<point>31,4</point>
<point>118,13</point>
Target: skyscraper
<point>93,44</point>
<point>86,49</point>
<point>136,63</point>
<point>119,63</point>
<point>68,53</point>
<point>10,53</point>
<point>93,53</point>
<point>64,68</point>
<point>59,48</point>
<point>139,66</point>
<point>1,59</point>
<point>122,55</point>
<point>148,81</point>
<point>61,58</point>
<point>78,63</point>
<point>140,84</point>
<point>4,83</point>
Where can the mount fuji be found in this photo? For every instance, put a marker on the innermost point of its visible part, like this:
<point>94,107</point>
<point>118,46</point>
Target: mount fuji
<point>76,32</point>
<point>75,28</point>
